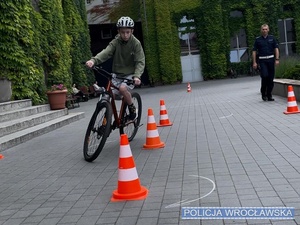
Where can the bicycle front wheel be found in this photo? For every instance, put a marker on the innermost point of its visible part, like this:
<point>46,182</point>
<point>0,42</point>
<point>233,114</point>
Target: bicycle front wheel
<point>97,132</point>
<point>130,127</point>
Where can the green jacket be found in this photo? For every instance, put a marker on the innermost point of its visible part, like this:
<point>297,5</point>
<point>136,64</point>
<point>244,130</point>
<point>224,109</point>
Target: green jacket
<point>128,57</point>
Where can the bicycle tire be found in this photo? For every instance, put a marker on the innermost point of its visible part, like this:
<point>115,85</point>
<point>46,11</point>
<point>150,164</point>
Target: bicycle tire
<point>96,136</point>
<point>128,127</point>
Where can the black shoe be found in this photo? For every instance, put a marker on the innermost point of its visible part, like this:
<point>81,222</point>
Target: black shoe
<point>264,98</point>
<point>132,111</point>
<point>270,99</point>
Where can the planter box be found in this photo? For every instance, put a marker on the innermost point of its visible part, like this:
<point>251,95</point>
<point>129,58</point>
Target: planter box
<point>5,90</point>
<point>281,86</point>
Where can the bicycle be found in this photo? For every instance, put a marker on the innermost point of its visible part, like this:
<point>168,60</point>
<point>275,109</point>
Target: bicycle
<point>232,73</point>
<point>102,124</point>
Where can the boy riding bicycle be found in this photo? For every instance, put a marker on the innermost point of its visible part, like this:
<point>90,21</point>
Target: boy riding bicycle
<point>128,60</point>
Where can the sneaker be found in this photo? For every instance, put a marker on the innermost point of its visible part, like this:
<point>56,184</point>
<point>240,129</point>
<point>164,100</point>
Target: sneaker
<point>132,111</point>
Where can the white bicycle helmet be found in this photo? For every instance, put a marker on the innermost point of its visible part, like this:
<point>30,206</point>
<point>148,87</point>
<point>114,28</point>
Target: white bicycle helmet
<point>125,22</point>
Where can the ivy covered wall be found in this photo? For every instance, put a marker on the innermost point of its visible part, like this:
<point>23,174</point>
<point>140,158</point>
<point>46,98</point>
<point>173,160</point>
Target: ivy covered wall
<point>42,43</point>
<point>147,10</point>
<point>76,29</point>
<point>167,43</point>
<point>56,45</point>
<point>19,55</point>
<point>212,39</point>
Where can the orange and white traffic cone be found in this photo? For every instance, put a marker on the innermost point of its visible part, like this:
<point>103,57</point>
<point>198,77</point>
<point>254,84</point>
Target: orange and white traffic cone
<point>164,119</point>
<point>152,139</point>
<point>292,103</point>
<point>129,187</point>
<point>189,88</point>
<point>1,156</point>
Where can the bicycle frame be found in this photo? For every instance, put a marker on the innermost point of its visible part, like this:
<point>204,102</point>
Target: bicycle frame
<point>117,117</point>
<point>112,100</point>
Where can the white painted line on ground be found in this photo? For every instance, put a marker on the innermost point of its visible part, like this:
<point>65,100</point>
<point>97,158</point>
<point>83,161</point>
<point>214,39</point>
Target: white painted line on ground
<point>224,117</point>
<point>187,201</point>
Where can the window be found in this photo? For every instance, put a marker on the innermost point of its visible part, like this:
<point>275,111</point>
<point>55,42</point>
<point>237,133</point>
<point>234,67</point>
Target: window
<point>238,42</point>
<point>188,37</point>
<point>106,33</point>
<point>287,38</point>
<point>238,47</point>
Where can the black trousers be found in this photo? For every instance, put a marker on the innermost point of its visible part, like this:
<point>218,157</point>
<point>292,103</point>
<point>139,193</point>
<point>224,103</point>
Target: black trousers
<point>267,73</point>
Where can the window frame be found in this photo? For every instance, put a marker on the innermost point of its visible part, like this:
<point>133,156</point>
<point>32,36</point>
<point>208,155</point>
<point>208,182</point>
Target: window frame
<point>239,49</point>
<point>285,42</point>
<point>186,36</point>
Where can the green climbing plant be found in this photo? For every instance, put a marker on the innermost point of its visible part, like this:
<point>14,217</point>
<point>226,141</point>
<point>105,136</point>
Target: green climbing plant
<point>19,49</point>
<point>36,48</point>
<point>77,31</point>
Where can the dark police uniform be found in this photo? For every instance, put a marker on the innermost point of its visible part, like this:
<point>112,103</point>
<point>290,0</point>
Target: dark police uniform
<point>265,52</point>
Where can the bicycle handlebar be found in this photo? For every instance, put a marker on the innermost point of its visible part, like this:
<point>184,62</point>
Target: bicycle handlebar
<point>111,76</point>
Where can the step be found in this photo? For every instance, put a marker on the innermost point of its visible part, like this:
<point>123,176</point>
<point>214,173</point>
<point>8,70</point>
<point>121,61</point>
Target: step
<point>20,113</point>
<point>14,105</point>
<point>19,137</point>
<point>9,127</point>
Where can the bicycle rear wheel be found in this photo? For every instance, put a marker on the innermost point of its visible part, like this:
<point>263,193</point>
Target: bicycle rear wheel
<point>97,132</point>
<point>130,127</point>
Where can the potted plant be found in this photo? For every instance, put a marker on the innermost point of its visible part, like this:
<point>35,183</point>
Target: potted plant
<point>57,96</point>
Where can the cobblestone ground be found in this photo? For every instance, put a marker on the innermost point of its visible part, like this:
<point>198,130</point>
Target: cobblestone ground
<point>226,148</point>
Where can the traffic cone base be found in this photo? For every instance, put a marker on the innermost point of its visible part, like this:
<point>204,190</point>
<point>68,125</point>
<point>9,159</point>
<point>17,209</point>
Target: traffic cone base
<point>291,112</point>
<point>189,89</point>
<point>152,139</point>
<point>292,107</point>
<point>139,195</point>
<point>164,119</point>
<point>129,187</point>
<point>149,146</point>
<point>165,124</point>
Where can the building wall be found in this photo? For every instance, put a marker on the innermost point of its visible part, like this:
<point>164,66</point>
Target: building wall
<point>214,28</point>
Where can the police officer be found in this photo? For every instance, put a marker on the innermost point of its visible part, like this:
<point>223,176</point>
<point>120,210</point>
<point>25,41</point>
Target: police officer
<point>265,49</point>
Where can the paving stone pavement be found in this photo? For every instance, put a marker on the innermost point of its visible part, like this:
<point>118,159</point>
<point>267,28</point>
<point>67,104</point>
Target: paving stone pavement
<point>223,134</point>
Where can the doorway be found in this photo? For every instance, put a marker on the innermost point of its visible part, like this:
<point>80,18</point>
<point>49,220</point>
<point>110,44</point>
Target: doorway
<point>190,56</point>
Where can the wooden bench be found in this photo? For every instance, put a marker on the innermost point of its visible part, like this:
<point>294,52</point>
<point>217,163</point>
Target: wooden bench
<point>85,91</point>
<point>72,101</point>
<point>92,92</point>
